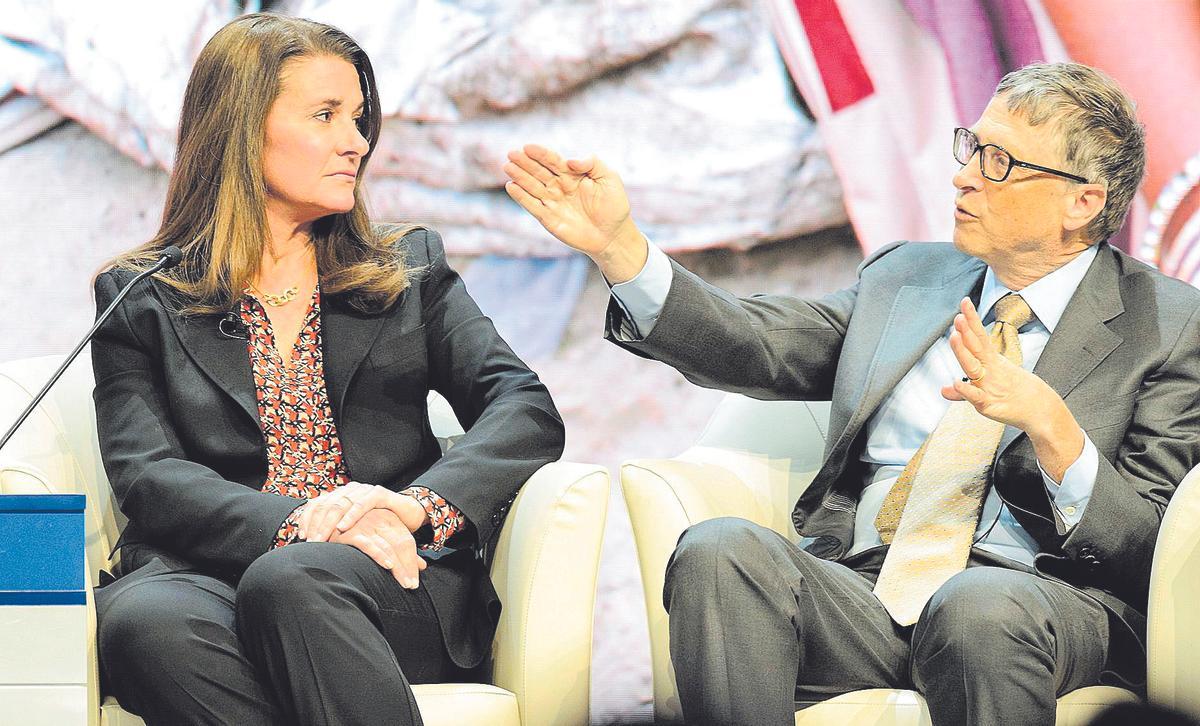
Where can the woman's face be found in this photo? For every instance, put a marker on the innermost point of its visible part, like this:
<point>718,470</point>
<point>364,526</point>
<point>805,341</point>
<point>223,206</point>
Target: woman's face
<point>312,146</point>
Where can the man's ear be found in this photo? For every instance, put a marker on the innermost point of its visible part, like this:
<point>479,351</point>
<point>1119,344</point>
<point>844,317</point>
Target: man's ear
<point>1083,203</point>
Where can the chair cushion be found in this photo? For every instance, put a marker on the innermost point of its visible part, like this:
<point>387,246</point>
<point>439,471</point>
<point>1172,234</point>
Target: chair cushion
<point>441,704</point>
<point>891,707</point>
<point>454,704</point>
<point>876,706</point>
<point>1081,706</point>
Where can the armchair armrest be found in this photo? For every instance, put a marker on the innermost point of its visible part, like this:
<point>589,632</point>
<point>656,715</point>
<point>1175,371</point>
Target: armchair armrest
<point>1173,628</point>
<point>545,569</point>
<point>753,461</point>
<point>665,497</point>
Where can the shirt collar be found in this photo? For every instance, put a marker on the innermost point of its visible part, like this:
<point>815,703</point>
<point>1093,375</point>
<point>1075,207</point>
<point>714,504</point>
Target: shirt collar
<point>1048,296</point>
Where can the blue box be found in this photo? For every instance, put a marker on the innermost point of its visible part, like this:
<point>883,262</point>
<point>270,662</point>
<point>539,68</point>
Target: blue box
<point>42,549</point>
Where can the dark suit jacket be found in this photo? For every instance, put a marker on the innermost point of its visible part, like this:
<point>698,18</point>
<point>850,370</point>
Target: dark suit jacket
<point>1124,357</point>
<point>181,442</point>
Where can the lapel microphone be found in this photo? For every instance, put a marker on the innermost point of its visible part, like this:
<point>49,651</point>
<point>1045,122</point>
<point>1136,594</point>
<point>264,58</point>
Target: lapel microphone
<point>168,258</point>
<point>231,326</point>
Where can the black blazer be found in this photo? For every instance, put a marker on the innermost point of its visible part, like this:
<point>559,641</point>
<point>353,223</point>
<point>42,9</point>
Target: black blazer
<point>181,443</point>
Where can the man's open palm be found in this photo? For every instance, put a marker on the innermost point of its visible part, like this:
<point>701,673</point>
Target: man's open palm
<point>582,203</point>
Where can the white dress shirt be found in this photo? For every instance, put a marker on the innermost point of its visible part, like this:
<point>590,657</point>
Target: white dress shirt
<point>910,413</point>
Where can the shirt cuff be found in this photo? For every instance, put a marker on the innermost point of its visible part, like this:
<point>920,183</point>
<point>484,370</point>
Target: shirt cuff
<point>289,531</point>
<point>445,519</point>
<point>642,298</point>
<point>1070,497</point>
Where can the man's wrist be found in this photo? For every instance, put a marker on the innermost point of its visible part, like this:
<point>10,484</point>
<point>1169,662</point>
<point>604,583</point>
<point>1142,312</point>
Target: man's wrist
<point>625,256</point>
<point>1057,439</point>
<point>1049,425</point>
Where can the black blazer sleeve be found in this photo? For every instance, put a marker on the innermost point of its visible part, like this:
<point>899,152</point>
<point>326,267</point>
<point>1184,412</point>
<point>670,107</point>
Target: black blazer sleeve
<point>512,426</point>
<point>177,504</point>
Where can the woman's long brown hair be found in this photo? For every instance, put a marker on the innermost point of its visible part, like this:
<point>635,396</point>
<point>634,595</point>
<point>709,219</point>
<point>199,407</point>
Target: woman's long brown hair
<point>216,198</point>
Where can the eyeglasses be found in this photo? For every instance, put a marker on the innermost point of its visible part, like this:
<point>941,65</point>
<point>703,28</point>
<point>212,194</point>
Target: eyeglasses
<point>994,162</point>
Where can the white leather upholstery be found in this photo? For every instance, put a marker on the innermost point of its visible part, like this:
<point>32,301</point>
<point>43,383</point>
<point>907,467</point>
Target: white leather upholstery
<point>1173,627</point>
<point>753,461</point>
<point>544,568</point>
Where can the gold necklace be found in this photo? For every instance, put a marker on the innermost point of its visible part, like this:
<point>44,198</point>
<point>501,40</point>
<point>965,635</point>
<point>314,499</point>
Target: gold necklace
<point>275,301</point>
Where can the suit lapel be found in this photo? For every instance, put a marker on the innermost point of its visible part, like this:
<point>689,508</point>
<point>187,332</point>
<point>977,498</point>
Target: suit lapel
<point>346,337</point>
<point>918,317</point>
<point>225,360</point>
<point>1081,340</point>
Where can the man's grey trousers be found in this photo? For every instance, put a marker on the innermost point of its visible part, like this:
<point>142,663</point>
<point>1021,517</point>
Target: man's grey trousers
<point>755,620</point>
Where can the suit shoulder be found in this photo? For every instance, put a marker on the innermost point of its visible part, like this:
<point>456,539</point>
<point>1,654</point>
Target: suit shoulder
<point>417,245</point>
<point>1141,276</point>
<point>117,276</point>
<point>151,296</point>
<point>905,253</point>
<point>108,285</point>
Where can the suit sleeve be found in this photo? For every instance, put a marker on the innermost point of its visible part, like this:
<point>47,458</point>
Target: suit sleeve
<point>1116,536</point>
<point>177,504</point>
<point>763,346</point>
<point>512,426</point>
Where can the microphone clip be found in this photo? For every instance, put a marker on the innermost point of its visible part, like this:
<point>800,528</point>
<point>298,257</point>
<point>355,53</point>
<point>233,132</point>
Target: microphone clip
<point>231,326</point>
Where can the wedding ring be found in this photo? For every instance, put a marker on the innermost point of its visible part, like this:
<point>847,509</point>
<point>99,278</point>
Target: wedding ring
<point>976,380</point>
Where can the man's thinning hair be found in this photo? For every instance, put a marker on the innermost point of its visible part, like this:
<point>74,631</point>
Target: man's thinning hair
<point>1101,136</point>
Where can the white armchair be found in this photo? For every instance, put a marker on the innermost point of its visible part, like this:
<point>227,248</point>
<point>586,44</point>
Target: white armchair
<point>753,461</point>
<point>544,569</point>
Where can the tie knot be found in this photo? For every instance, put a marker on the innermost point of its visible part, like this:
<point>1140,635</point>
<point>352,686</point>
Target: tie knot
<point>1013,310</point>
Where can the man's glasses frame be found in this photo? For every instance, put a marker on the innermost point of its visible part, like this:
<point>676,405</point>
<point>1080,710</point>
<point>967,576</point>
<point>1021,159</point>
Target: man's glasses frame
<point>982,149</point>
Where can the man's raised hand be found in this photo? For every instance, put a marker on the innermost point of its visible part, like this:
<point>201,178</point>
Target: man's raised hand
<point>582,203</point>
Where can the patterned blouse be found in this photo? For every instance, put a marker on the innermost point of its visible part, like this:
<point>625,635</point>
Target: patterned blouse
<point>304,455</point>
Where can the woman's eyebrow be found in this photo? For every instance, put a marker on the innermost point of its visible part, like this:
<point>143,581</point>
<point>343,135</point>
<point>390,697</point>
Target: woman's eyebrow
<point>337,103</point>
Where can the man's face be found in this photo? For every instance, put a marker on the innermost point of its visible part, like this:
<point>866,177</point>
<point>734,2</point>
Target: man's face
<point>1022,215</point>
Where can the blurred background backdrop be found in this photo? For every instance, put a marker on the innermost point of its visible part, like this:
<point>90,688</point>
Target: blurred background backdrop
<point>766,144</point>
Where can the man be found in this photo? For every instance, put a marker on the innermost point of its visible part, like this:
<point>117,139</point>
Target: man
<point>984,522</point>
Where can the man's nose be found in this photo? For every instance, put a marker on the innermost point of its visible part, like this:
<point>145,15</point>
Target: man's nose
<point>969,176</point>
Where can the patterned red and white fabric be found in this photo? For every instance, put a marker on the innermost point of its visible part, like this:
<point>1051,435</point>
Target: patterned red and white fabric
<point>304,454</point>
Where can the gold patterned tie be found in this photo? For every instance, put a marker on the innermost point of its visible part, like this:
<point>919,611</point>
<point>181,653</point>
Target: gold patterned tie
<point>940,492</point>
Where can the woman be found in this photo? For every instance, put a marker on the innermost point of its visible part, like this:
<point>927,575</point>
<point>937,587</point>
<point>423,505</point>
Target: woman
<point>298,549</point>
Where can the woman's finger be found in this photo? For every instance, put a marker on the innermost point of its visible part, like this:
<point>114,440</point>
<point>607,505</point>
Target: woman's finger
<point>302,522</point>
<point>327,511</point>
<point>408,563</point>
<point>389,555</point>
<point>376,547</point>
<point>333,505</point>
<point>362,501</point>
